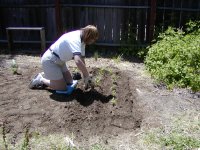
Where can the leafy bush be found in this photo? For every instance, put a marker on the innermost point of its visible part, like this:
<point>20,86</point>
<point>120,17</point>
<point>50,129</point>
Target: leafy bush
<point>175,58</point>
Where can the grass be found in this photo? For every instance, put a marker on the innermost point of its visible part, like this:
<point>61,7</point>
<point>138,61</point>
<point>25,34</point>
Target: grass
<point>39,142</point>
<point>35,141</point>
<point>97,147</point>
<point>118,58</point>
<point>182,133</point>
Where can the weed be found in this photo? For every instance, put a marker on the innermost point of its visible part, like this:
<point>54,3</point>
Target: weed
<point>96,55</point>
<point>97,80</point>
<point>14,67</point>
<point>114,78</point>
<point>110,71</point>
<point>74,69</point>
<point>99,76</point>
<point>97,147</point>
<point>35,134</point>
<point>114,92</point>
<point>113,101</point>
<point>25,144</point>
<point>4,136</point>
<point>114,88</point>
<point>102,71</point>
<point>118,59</point>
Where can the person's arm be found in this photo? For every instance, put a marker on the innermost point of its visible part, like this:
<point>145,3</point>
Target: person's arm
<point>83,60</point>
<point>80,62</point>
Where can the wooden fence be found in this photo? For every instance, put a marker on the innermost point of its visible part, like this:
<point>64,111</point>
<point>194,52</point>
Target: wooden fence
<point>131,22</point>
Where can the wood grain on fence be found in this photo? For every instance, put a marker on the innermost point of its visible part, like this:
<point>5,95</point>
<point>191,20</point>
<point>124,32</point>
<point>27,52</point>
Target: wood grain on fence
<point>118,21</point>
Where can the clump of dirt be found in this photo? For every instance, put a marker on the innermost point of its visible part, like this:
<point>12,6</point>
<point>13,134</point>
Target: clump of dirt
<point>108,110</point>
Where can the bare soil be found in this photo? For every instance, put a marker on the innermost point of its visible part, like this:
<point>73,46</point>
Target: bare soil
<point>126,102</point>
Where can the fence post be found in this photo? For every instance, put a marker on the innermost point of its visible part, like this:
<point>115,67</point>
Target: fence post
<point>58,17</point>
<point>43,41</point>
<point>152,19</point>
<point>10,40</point>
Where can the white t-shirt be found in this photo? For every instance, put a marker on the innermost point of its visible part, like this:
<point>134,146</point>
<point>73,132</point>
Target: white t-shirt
<point>68,45</point>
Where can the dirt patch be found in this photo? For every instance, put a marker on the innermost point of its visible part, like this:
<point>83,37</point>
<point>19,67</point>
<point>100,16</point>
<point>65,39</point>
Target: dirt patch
<point>108,110</point>
<point>124,102</point>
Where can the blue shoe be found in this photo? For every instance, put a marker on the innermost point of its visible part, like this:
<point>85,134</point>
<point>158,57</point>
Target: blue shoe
<point>70,88</point>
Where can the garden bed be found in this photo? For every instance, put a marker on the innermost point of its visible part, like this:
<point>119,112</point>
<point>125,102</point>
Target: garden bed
<point>124,104</point>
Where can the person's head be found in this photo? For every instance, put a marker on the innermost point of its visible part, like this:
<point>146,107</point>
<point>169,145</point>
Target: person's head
<point>89,34</point>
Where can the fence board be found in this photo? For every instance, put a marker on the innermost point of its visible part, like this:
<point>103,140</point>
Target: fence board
<point>100,24</point>
<point>108,25</point>
<point>117,21</point>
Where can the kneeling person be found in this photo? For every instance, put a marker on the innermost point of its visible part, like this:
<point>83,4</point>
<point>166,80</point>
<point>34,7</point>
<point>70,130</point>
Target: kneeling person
<point>69,46</point>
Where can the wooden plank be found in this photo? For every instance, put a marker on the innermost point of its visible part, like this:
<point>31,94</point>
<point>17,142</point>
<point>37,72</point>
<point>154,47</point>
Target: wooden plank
<point>79,17</point>
<point>10,40</point>
<point>9,31</point>
<point>133,26</point>
<point>138,26</point>
<point>152,19</point>
<point>146,22</point>
<point>124,26</point>
<point>43,41</point>
<point>91,16</point>
<point>58,17</point>
<point>100,22</point>
<point>180,15</point>
<point>142,24</point>
<point>117,19</point>
<point>67,19</point>
<point>50,24</point>
<point>108,25</point>
<point>25,28</point>
<point>86,16</point>
<point>103,6</point>
<point>112,26</point>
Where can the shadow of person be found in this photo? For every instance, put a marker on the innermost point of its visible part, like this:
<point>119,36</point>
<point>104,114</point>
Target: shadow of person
<point>85,98</point>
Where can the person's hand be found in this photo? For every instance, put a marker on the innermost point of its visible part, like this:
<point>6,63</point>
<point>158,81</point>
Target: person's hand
<point>89,83</point>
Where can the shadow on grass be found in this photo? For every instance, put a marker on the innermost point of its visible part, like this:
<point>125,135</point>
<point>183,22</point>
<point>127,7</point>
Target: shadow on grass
<point>85,98</point>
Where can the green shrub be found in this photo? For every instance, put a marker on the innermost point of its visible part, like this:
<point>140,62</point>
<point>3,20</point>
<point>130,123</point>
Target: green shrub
<point>175,57</point>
